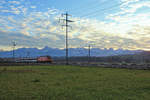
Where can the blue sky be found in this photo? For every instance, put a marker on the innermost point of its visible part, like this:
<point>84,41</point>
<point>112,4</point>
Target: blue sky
<point>114,24</point>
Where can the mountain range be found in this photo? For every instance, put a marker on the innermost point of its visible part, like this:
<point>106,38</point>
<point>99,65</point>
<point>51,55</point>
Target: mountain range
<point>55,52</point>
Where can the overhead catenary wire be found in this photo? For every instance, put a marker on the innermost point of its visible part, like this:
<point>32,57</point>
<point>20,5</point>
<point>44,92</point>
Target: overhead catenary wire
<point>103,10</point>
<point>91,7</point>
<point>100,12</point>
<point>81,6</point>
<point>92,14</point>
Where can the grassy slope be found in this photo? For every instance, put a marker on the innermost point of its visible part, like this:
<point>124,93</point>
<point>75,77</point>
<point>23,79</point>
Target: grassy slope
<point>73,83</point>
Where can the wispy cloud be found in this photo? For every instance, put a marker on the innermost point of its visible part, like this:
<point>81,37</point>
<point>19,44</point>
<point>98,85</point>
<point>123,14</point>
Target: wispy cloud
<point>14,2</point>
<point>126,29</point>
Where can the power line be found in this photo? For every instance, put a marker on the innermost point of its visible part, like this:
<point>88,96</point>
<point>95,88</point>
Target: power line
<point>94,14</point>
<point>81,5</point>
<point>91,7</point>
<point>103,10</point>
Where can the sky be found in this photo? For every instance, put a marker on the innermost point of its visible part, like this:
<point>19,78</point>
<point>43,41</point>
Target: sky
<point>117,24</point>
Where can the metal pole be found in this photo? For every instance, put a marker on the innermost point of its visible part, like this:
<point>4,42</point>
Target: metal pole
<point>67,38</point>
<point>66,25</point>
<point>89,54</point>
<point>14,44</point>
<point>13,53</point>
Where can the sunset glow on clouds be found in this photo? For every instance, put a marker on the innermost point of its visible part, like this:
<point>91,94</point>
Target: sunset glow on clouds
<point>37,24</point>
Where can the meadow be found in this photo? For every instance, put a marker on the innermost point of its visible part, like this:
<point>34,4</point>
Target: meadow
<point>73,83</point>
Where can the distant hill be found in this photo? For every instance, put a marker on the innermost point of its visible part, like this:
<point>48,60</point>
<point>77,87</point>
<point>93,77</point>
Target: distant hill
<point>55,52</point>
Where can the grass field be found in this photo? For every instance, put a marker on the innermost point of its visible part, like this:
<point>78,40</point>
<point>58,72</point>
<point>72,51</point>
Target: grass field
<point>73,83</point>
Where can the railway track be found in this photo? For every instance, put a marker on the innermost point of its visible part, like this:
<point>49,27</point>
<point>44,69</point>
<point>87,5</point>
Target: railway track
<point>127,66</point>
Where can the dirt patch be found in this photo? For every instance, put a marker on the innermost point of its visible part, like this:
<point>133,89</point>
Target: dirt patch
<point>36,80</point>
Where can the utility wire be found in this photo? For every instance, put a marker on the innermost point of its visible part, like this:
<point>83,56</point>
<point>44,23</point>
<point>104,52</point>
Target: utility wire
<point>104,9</point>
<point>81,6</point>
<point>91,7</point>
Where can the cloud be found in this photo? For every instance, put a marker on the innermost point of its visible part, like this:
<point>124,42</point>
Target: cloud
<point>14,2</point>
<point>12,9</point>
<point>132,8</point>
<point>42,28</point>
<point>33,7</point>
<point>27,41</point>
<point>127,2</point>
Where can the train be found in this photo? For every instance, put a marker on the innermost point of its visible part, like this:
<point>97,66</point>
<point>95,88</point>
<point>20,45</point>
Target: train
<point>44,59</point>
<point>41,59</point>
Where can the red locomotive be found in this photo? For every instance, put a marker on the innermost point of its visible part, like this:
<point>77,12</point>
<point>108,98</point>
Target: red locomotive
<point>44,59</point>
